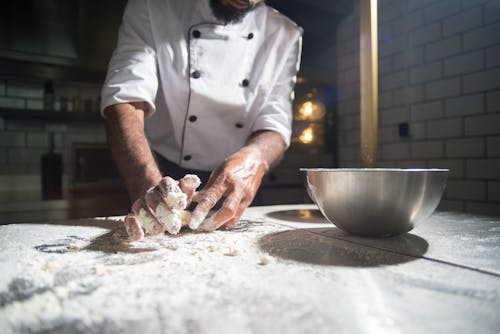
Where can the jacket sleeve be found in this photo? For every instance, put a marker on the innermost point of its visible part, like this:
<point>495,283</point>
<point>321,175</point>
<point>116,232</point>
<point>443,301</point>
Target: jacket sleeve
<point>132,73</point>
<point>276,112</point>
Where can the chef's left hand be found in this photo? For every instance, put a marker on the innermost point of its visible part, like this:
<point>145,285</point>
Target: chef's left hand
<point>238,179</point>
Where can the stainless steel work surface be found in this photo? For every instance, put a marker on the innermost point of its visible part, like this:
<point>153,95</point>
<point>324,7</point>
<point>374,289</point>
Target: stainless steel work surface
<point>282,269</point>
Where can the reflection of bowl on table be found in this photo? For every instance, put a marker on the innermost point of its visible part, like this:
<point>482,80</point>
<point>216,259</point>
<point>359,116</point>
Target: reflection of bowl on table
<point>307,216</point>
<point>376,202</point>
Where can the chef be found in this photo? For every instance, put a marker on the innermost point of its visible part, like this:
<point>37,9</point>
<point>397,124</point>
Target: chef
<point>200,87</point>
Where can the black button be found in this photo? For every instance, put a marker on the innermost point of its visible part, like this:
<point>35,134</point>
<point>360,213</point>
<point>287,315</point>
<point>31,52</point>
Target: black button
<point>239,125</point>
<point>196,74</point>
<point>250,35</point>
<point>196,34</point>
<point>192,118</point>
<point>187,157</point>
<point>245,82</point>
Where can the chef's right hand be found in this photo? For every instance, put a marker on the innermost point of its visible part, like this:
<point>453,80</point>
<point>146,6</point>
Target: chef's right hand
<point>162,208</point>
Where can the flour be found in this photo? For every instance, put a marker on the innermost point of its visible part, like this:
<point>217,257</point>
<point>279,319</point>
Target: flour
<point>90,283</point>
<point>85,277</point>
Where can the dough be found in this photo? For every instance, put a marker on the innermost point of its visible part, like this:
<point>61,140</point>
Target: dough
<point>169,214</point>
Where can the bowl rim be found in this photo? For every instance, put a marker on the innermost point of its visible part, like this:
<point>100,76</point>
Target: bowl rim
<point>409,170</point>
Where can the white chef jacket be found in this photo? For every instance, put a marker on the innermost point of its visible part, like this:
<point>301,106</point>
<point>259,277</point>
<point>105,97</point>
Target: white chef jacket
<point>208,85</point>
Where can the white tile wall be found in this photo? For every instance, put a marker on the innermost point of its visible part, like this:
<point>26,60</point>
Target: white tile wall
<point>348,91</point>
<point>464,105</point>
<point>439,71</point>
<point>472,3</point>
<point>493,147</point>
<point>23,125</point>
<point>386,134</point>
<point>394,115</point>
<point>418,130</point>
<point>465,147</point>
<point>37,139</point>
<point>427,150</point>
<point>483,168</point>
<point>396,45</point>
<point>493,101</point>
<point>482,81</point>
<point>12,103</point>
<point>464,21</point>
<point>428,110</point>
<point>13,169</point>
<point>449,205</point>
<point>409,164</point>
<point>466,190</point>
<point>492,11</point>
<point>415,56</point>
<point>385,100</point>
<point>447,128</point>
<point>12,139</point>
<point>56,127</point>
<point>494,191</point>
<point>3,155</point>
<point>464,63</point>
<point>351,138</point>
<point>493,56</point>
<point>481,37</point>
<point>426,72</point>
<point>413,19</point>
<point>349,155</point>
<point>18,89</point>
<point>425,34</point>
<point>442,49</point>
<point>34,104</point>
<point>349,121</point>
<point>442,88</point>
<point>409,94</point>
<point>484,208</point>
<point>441,9</point>
<point>416,4</point>
<point>488,124</point>
<point>399,151</point>
<point>392,11</point>
<point>26,155</point>
<point>394,80</point>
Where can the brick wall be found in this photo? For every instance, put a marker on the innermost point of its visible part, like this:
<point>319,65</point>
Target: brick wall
<point>439,71</point>
<point>22,141</point>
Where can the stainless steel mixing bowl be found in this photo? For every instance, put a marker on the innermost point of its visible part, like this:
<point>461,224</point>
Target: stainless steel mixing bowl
<point>376,202</point>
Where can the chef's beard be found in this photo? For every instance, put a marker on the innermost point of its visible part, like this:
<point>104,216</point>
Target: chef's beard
<point>229,14</point>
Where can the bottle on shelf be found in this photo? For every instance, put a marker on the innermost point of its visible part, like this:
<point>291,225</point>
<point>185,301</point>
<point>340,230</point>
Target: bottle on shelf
<point>51,168</point>
<point>48,96</point>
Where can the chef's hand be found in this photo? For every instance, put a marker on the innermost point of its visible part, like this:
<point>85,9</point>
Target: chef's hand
<point>238,179</point>
<point>162,207</point>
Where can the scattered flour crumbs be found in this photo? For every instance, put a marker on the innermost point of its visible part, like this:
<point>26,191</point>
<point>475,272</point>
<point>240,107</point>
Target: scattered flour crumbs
<point>93,282</point>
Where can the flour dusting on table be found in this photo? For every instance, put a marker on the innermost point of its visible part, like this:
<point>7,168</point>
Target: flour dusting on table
<point>100,282</point>
<point>260,277</point>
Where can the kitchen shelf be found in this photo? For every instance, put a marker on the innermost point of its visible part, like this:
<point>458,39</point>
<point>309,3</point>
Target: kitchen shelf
<point>33,70</point>
<point>26,114</point>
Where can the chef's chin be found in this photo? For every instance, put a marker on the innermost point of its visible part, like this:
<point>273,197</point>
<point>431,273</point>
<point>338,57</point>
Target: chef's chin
<point>227,13</point>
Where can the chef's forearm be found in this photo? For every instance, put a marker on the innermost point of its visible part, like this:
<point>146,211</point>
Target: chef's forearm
<point>130,148</point>
<point>270,144</point>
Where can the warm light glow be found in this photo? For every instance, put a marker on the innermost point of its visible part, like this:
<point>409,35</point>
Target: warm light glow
<point>310,110</point>
<point>300,80</point>
<point>307,135</point>
<point>307,109</point>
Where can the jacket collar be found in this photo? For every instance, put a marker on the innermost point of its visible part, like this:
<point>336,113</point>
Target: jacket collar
<point>206,16</point>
